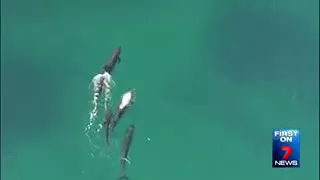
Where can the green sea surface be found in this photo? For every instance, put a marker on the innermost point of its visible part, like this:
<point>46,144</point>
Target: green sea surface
<point>213,78</point>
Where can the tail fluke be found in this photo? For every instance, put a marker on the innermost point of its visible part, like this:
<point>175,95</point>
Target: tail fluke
<point>125,159</point>
<point>124,177</point>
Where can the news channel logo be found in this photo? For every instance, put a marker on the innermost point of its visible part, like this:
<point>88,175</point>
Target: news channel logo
<point>286,148</point>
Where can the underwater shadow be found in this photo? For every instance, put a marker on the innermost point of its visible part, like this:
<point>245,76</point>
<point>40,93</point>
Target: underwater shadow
<point>257,46</point>
<point>30,103</point>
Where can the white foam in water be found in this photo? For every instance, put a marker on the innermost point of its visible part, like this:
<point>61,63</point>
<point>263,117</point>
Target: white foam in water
<point>101,86</point>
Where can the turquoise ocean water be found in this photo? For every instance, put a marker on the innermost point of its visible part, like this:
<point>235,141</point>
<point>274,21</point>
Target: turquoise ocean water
<point>212,77</point>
